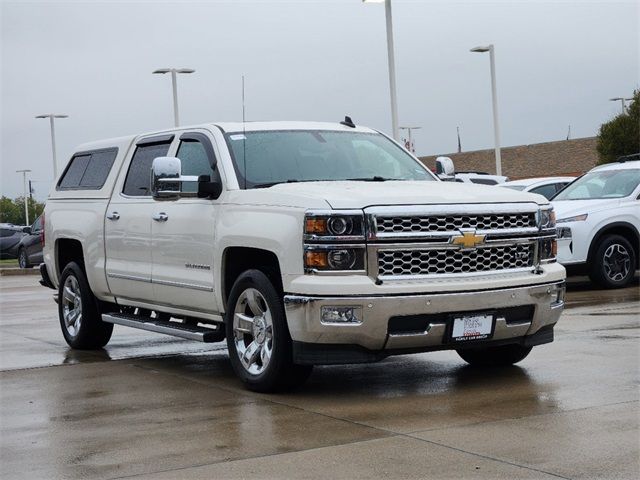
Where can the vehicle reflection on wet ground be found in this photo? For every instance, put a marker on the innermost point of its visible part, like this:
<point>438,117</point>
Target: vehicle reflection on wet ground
<point>161,407</point>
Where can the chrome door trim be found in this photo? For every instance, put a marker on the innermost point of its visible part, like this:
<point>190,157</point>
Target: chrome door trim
<point>192,286</point>
<point>135,278</point>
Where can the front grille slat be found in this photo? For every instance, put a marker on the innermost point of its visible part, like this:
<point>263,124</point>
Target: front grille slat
<point>444,223</point>
<point>450,261</point>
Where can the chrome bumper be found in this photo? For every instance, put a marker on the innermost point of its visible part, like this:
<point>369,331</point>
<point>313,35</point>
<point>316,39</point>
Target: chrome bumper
<point>303,316</point>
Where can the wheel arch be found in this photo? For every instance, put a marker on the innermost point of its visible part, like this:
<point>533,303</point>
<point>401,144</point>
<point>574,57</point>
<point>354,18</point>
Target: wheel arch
<point>624,229</point>
<point>237,259</point>
<point>68,250</point>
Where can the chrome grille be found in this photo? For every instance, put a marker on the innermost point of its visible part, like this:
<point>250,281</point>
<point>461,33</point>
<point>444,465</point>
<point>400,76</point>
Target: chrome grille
<point>452,261</point>
<point>443,223</point>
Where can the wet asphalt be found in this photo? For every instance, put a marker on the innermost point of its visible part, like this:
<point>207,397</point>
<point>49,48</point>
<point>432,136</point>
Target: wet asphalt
<point>151,406</point>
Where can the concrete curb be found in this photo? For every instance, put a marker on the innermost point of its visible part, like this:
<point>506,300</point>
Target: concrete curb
<point>6,272</point>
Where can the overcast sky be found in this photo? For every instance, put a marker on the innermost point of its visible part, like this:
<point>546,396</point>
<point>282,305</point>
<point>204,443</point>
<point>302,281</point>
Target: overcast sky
<point>557,62</point>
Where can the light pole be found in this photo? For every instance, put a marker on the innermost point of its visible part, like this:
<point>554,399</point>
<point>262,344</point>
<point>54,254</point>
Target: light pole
<point>409,129</point>
<point>494,97</point>
<point>621,100</point>
<point>26,199</point>
<point>392,67</point>
<point>51,117</point>
<point>174,73</point>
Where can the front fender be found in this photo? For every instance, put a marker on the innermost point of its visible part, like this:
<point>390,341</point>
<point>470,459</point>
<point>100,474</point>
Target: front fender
<point>276,229</point>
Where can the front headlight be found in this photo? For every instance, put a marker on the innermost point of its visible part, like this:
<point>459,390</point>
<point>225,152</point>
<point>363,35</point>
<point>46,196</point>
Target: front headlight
<point>577,218</point>
<point>328,226</point>
<point>334,258</point>
<point>547,218</point>
<point>334,241</point>
<point>548,250</point>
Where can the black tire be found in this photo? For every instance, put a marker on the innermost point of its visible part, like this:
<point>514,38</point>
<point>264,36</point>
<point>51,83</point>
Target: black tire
<point>90,332</point>
<point>613,264</point>
<point>279,372</point>
<point>23,259</point>
<point>494,356</point>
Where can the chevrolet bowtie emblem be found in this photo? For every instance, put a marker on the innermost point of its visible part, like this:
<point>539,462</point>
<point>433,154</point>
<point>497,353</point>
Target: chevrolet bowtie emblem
<point>467,239</point>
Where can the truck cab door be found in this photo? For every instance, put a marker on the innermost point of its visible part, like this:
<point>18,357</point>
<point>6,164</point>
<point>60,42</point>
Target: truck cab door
<point>183,234</point>
<point>127,224</point>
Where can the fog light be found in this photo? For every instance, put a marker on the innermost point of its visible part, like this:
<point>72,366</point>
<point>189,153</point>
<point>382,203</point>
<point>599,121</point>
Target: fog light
<point>351,315</point>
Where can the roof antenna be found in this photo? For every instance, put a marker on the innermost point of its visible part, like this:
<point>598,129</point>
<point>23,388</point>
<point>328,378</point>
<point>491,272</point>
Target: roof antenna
<point>347,122</point>
<point>244,138</point>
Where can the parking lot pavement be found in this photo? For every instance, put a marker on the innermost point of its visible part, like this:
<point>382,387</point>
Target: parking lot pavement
<point>158,407</point>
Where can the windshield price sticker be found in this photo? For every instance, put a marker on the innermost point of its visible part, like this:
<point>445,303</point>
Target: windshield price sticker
<point>473,327</point>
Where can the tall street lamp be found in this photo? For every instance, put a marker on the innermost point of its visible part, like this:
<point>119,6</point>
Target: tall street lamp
<point>621,100</point>
<point>51,117</point>
<point>494,96</point>
<point>392,67</point>
<point>26,199</point>
<point>174,72</point>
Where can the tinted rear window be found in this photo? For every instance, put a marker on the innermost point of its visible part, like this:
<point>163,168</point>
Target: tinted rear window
<point>73,175</point>
<point>88,171</point>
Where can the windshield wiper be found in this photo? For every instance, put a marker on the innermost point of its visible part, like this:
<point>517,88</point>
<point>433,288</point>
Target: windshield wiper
<point>271,184</point>
<point>375,178</point>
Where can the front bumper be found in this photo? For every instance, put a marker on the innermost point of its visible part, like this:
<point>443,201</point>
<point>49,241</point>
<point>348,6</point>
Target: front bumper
<point>544,302</point>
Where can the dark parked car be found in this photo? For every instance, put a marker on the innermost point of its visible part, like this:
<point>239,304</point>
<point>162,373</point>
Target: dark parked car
<point>30,246</point>
<point>10,236</point>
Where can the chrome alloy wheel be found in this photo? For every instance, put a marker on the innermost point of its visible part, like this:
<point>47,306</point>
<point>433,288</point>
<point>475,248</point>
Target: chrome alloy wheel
<point>253,331</point>
<point>616,262</point>
<point>72,306</point>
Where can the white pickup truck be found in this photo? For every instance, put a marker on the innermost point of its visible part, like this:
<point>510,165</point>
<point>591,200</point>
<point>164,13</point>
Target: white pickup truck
<point>301,243</point>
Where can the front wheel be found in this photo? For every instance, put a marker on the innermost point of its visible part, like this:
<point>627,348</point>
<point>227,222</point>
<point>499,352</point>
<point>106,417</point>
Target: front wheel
<point>23,259</point>
<point>614,262</point>
<point>80,319</point>
<point>260,347</point>
<point>494,356</point>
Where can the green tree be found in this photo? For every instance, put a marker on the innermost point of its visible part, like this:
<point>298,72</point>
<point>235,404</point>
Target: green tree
<point>12,210</point>
<point>9,212</point>
<point>621,135</point>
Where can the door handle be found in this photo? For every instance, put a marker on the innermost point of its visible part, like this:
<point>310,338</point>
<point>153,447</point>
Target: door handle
<point>161,217</point>
<point>113,216</point>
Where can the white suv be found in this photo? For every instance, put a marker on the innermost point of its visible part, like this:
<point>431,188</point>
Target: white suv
<point>598,224</point>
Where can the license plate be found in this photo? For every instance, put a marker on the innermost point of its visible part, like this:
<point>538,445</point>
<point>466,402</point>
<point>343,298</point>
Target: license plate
<point>472,327</point>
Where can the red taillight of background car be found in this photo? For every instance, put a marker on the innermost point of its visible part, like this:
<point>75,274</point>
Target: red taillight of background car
<point>42,230</point>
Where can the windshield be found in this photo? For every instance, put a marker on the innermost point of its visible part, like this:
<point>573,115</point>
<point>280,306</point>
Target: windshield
<point>514,187</point>
<point>266,158</point>
<point>602,184</point>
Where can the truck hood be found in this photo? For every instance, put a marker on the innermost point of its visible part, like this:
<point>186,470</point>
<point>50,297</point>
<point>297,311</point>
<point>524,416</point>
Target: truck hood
<point>572,208</point>
<point>358,195</point>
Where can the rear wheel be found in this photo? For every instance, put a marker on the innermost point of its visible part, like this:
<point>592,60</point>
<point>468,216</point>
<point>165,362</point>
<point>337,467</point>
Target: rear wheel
<point>258,337</point>
<point>614,262</point>
<point>494,356</point>
<point>80,319</point>
<point>23,259</point>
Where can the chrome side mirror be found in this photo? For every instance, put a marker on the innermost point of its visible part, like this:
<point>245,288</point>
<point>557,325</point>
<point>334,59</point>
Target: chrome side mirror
<point>444,167</point>
<point>166,178</point>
